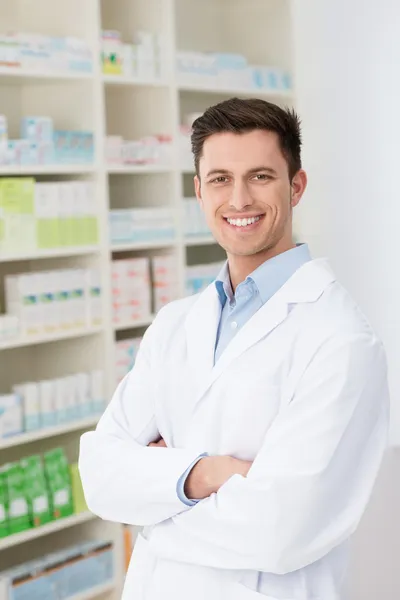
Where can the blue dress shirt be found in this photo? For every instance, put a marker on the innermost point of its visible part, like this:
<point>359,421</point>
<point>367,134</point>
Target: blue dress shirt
<point>237,308</point>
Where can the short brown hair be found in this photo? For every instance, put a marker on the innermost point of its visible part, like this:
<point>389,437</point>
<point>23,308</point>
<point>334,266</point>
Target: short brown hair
<point>240,116</point>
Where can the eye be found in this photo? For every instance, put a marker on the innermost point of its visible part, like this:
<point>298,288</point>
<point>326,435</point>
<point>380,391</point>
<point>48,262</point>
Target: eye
<point>220,179</point>
<point>261,177</point>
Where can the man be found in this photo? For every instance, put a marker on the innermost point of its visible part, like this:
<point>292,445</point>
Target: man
<point>249,434</point>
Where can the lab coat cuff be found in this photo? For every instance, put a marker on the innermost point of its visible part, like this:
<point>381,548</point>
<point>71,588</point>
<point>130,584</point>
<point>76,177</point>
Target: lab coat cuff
<point>180,486</point>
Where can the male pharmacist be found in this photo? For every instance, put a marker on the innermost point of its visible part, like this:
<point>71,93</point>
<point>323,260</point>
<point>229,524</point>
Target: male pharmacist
<point>248,436</point>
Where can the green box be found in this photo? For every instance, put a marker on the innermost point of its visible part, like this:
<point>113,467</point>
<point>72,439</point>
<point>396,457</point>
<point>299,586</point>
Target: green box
<point>37,492</point>
<point>18,195</point>
<point>91,231</point>
<point>59,483</point>
<point>18,216</point>
<point>78,495</point>
<point>47,235</point>
<point>78,232</point>
<point>4,526</point>
<point>18,509</point>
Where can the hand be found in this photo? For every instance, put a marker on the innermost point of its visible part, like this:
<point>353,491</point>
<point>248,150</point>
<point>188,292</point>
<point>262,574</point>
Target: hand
<point>211,472</point>
<point>159,444</point>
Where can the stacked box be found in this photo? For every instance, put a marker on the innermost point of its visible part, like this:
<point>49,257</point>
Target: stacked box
<point>125,356</point>
<point>59,483</point>
<point>18,509</point>
<point>37,493</point>
<point>131,294</point>
<point>141,225</point>
<point>11,415</point>
<point>165,280</point>
<point>18,228</point>
<point>68,573</point>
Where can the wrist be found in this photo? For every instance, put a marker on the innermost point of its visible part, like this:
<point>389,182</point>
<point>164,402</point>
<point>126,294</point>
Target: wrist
<point>198,484</point>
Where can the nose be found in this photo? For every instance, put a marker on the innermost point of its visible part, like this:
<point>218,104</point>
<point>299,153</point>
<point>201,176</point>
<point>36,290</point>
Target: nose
<point>241,197</point>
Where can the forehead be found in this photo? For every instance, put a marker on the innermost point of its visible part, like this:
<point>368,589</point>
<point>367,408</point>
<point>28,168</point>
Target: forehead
<point>239,152</point>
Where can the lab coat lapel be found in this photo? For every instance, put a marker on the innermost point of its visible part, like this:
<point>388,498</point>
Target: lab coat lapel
<point>261,324</point>
<point>201,332</point>
<point>306,285</point>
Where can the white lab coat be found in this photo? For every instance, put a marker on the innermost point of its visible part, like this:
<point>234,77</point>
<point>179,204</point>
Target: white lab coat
<point>301,391</point>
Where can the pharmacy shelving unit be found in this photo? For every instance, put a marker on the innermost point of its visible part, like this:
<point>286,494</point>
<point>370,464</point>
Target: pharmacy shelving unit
<point>117,105</point>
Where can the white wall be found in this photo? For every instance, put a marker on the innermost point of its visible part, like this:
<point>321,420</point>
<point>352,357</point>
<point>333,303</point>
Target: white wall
<point>347,55</point>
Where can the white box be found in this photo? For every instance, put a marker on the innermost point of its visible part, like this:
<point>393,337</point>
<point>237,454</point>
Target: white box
<point>13,295</point>
<point>9,326</point>
<point>43,199</point>
<point>47,403</point>
<point>78,302</point>
<point>46,301</point>
<point>53,306</point>
<point>63,298</point>
<point>127,60</point>
<point>29,393</point>
<point>46,214</point>
<point>79,210</point>
<point>97,392</point>
<point>11,415</point>
<point>61,400</point>
<point>83,397</point>
<point>71,397</point>
<point>94,298</point>
<point>21,292</point>
<point>65,212</point>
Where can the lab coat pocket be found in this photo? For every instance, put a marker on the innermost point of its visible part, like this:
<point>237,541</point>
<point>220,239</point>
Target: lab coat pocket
<point>140,570</point>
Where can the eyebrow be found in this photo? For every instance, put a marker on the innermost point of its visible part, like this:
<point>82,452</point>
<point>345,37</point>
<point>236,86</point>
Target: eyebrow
<point>269,170</point>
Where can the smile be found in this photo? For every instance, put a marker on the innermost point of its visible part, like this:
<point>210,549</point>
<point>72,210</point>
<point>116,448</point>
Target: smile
<point>243,222</point>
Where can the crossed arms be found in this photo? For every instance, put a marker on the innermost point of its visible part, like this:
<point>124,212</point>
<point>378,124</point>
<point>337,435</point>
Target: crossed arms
<point>302,496</point>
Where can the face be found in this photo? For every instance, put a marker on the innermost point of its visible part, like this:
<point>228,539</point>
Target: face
<point>245,192</point>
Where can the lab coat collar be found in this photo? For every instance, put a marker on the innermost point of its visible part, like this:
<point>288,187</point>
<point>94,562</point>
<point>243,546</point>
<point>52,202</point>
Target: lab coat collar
<point>306,285</point>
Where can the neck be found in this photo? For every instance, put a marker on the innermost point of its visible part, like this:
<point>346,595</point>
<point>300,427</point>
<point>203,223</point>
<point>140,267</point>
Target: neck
<point>241,267</point>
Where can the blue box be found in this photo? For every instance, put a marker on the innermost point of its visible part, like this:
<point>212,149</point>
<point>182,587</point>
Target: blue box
<point>73,147</point>
<point>60,575</point>
<point>61,145</point>
<point>37,129</point>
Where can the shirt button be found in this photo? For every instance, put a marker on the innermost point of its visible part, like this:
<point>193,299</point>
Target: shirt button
<point>234,325</point>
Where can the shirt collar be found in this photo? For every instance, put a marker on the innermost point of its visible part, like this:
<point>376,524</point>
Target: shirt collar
<point>269,277</point>
<point>223,285</point>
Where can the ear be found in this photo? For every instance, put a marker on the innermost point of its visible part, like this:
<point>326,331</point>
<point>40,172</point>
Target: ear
<point>197,188</point>
<point>299,184</point>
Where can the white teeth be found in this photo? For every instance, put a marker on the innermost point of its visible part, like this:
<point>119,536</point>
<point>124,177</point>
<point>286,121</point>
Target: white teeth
<point>243,222</point>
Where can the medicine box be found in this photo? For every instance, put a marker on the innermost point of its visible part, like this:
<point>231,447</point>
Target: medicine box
<point>36,491</point>
<point>18,511</point>
<point>67,573</point>
<point>11,415</point>
<point>17,214</point>
<point>29,395</point>
<point>59,483</point>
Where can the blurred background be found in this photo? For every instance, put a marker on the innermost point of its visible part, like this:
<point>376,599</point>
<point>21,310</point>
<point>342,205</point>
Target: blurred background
<point>99,229</point>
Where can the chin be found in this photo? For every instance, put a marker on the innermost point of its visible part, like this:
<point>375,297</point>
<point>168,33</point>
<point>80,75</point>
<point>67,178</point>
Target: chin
<point>245,250</point>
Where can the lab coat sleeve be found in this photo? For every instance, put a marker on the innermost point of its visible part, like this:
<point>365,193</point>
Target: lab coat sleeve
<point>123,479</point>
<point>309,485</point>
